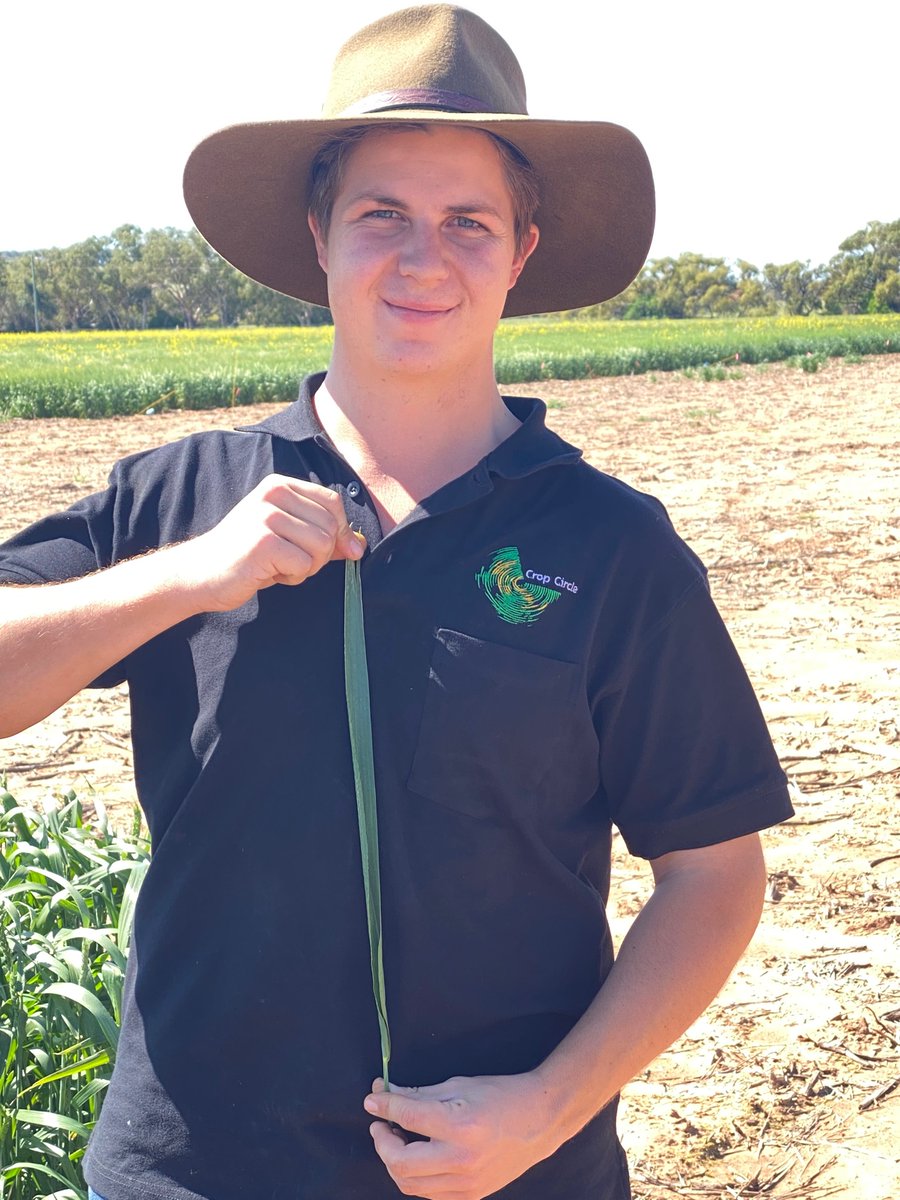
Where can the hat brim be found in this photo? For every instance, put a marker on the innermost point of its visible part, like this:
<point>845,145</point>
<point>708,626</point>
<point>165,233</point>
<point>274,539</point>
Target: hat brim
<point>245,188</point>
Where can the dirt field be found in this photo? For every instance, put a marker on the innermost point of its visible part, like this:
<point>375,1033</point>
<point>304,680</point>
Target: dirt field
<point>788,485</point>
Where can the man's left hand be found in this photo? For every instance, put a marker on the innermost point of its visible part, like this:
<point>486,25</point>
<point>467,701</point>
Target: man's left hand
<point>483,1132</point>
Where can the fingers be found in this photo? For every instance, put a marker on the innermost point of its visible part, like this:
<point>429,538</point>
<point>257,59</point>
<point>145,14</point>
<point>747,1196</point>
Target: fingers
<point>310,522</point>
<point>312,505</point>
<point>483,1132</point>
<point>429,1168</point>
<point>413,1112</point>
<point>317,504</point>
<point>410,1164</point>
<point>283,531</point>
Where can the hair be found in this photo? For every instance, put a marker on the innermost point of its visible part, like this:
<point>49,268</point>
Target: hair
<point>327,173</point>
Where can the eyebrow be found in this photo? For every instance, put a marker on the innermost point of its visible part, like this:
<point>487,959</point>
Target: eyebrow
<point>455,210</point>
<point>371,198</point>
<point>461,210</point>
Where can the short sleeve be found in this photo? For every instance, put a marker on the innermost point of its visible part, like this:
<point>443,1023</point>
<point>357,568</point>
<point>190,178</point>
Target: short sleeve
<point>66,545</point>
<point>63,546</point>
<point>155,498</point>
<point>685,756</point>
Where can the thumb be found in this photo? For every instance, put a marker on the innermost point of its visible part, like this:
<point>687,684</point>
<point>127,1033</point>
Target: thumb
<point>378,1088</point>
<point>349,544</point>
<point>446,1090</point>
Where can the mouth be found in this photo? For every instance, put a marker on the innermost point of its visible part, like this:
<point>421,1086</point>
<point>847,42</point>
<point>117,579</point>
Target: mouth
<point>413,310</point>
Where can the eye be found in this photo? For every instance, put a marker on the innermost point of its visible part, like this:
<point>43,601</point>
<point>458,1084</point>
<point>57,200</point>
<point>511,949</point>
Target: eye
<point>464,222</point>
<point>383,214</point>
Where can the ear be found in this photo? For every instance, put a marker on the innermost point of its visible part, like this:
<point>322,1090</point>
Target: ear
<point>522,256</point>
<point>320,240</point>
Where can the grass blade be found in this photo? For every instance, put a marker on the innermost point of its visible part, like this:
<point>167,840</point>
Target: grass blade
<point>359,714</point>
<point>50,1120</point>
<point>88,1001</point>
<point>100,1059</point>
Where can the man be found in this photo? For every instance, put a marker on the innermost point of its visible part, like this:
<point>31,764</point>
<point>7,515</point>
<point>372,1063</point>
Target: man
<point>544,660</point>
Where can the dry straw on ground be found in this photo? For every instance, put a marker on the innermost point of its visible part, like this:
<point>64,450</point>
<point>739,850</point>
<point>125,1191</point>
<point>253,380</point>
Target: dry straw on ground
<point>788,485</point>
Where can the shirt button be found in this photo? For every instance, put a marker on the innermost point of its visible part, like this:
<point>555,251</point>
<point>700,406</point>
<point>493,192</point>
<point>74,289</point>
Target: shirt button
<point>353,489</point>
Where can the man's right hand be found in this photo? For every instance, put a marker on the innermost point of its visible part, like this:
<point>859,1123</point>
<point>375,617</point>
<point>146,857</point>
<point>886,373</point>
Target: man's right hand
<point>282,532</point>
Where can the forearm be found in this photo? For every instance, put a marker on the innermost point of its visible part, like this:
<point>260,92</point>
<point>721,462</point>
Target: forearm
<point>56,638</point>
<point>675,959</point>
<point>483,1132</point>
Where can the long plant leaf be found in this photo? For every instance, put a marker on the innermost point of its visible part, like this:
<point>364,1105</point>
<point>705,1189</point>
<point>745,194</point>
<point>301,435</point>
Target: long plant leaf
<point>126,912</point>
<point>50,1120</point>
<point>359,713</point>
<point>19,1168</point>
<point>87,1000</point>
<point>100,1059</point>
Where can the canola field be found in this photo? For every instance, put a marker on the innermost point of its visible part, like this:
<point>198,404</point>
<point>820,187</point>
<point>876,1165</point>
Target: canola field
<point>105,374</point>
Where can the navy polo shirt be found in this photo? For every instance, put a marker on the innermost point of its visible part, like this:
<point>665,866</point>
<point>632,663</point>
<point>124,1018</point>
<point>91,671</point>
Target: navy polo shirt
<point>545,660</point>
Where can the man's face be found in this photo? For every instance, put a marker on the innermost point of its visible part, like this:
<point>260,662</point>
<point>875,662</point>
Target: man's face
<point>420,252</point>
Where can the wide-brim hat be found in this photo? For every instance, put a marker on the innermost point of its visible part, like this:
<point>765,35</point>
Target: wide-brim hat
<point>246,186</point>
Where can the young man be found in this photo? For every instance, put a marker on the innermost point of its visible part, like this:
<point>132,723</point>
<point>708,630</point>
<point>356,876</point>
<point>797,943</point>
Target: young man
<point>544,660</point>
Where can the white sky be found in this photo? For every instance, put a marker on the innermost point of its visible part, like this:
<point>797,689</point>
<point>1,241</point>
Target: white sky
<point>771,125</point>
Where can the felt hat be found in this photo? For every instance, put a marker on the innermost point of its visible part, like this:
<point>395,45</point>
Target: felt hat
<point>246,186</point>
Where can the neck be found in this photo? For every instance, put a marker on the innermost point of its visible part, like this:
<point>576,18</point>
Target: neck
<point>409,436</point>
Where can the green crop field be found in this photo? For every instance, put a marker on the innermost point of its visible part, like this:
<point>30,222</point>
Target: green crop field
<point>102,374</point>
<point>67,894</point>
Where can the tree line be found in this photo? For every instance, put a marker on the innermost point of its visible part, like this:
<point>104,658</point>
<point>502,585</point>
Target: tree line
<point>159,279</point>
<point>168,278</point>
<point>863,277</point>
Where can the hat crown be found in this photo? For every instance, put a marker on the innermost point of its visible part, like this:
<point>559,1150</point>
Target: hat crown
<point>432,56</point>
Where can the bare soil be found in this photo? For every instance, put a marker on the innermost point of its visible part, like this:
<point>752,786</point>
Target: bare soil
<point>788,486</point>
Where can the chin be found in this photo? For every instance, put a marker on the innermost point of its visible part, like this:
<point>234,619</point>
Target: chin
<point>418,359</point>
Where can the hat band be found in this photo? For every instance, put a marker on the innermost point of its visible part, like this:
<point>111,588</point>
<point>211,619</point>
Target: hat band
<point>415,98</point>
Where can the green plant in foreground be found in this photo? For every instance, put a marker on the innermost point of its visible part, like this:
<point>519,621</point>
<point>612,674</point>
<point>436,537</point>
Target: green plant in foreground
<point>67,894</point>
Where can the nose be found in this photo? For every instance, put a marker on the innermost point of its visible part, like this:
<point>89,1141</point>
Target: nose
<point>422,255</point>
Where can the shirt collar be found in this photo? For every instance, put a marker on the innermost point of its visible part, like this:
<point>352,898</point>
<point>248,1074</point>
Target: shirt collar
<point>296,423</point>
<point>532,446</point>
<point>527,449</point>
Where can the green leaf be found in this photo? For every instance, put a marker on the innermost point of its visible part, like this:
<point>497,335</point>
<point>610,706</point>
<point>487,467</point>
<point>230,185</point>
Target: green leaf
<point>99,937</point>
<point>87,1000</point>
<point>359,714</point>
<point>16,815</point>
<point>100,1059</point>
<point>18,1168</point>
<point>126,912</point>
<point>49,1120</point>
<point>91,1089</point>
<point>66,889</point>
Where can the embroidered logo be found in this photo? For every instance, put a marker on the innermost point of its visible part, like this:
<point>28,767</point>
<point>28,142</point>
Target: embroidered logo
<point>519,597</point>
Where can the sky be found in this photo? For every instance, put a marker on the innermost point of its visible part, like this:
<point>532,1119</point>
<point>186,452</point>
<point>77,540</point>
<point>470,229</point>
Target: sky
<point>771,125</point>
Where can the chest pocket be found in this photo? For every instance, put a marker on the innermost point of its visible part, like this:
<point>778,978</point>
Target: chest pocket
<point>495,725</point>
